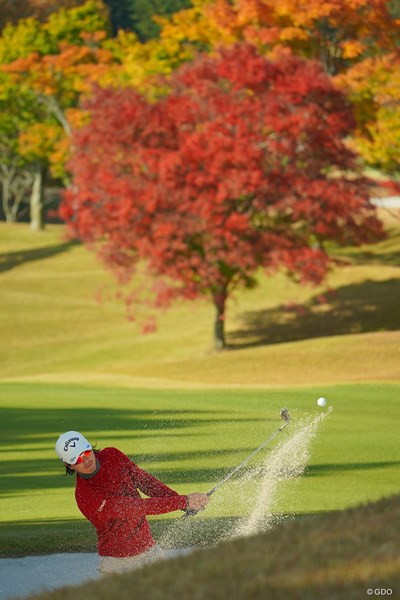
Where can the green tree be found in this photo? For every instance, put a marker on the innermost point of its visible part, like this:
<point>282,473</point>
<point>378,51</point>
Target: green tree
<point>137,15</point>
<point>143,12</point>
<point>50,64</point>
<point>121,14</point>
<point>15,174</point>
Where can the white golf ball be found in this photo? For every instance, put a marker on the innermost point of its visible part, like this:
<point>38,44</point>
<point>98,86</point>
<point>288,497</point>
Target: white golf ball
<point>321,401</point>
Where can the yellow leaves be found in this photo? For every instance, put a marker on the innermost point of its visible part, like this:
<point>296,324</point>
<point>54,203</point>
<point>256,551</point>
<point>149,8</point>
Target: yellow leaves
<point>59,157</point>
<point>137,61</point>
<point>196,25</point>
<point>68,24</point>
<point>39,140</point>
<point>373,86</point>
<point>382,146</point>
<point>292,33</point>
<point>76,117</point>
<point>304,13</point>
<point>181,36</point>
<point>374,76</point>
<point>22,39</point>
<point>352,48</point>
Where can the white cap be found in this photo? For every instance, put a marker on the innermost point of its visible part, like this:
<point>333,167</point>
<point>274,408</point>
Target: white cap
<point>70,445</point>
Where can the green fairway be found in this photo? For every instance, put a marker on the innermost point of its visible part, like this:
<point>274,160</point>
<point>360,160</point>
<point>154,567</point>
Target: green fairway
<point>69,359</point>
<point>190,439</point>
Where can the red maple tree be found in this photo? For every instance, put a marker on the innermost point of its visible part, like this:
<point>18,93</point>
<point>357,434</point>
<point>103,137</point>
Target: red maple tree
<point>241,164</point>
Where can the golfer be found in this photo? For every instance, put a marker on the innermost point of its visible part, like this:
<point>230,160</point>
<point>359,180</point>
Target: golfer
<point>107,494</point>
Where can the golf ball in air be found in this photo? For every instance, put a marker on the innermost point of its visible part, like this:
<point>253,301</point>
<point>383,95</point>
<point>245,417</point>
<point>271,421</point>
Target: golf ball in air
<point>321,401</point>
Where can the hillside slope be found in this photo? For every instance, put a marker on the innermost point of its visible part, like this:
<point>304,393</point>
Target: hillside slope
<point>63,323</point>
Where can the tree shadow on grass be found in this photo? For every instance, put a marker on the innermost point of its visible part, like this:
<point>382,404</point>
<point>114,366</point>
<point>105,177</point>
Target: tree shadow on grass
<point>360,308</point>
<point>39,474</point>
<point>11,260</point>
<point>42,425</point>
<point>319,470</point>
<point>36,428</point>
<point>384,253</point>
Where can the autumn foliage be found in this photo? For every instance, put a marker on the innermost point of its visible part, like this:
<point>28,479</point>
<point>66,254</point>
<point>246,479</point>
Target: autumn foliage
<point>373,87</point>
<point>336,32</point>
<point>241,165</point>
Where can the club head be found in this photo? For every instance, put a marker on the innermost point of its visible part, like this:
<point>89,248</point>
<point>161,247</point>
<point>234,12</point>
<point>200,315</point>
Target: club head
<point>285,415</point>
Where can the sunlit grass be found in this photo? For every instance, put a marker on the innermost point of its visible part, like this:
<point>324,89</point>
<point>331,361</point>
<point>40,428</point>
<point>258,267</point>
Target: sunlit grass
<point>183,411</point>
<point>190,439</point>
<point>56,330</point>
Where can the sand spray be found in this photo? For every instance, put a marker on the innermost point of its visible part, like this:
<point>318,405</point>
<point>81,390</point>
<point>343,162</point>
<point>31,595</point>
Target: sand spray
<point>260,486</point>
<point>287,460</point>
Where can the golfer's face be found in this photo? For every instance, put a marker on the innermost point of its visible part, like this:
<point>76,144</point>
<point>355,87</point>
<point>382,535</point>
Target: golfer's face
<point>88,464</point>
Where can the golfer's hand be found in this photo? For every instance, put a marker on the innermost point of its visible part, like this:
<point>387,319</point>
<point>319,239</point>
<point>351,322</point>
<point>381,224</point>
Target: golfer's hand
<point>197,501</point>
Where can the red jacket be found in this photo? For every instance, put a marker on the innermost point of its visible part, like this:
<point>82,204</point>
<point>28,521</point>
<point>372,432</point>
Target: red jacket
<point>112,503</point>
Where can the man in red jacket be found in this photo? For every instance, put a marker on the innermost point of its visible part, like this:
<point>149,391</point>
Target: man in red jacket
<point>107,494</point>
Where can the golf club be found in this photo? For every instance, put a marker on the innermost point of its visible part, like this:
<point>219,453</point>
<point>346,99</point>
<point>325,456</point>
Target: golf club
<point>284,414</point>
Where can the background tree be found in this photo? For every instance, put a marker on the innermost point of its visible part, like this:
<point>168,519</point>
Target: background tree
<point>53,64</point>
<point>241,165</point>
<point>373,87</point>
<point>13,11</point>
<point>338,33</point>
<point>15,170</point>
<point>182,35</point>
<point>121,14</point>
<point>137,15</point>
<point>143,12</point>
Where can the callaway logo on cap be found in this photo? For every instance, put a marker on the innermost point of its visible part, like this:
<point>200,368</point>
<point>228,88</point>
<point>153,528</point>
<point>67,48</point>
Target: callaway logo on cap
<point>70,445</point>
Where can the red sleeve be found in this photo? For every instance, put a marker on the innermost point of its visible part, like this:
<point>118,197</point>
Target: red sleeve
<point>148,484</point>
<point>99,509</point>
<point>121,506</point>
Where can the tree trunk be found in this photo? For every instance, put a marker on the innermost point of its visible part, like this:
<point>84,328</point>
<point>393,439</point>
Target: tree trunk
<point>37,199</point>
<point>15,185</point>
<point>7,176</point>
<point>219,299</point>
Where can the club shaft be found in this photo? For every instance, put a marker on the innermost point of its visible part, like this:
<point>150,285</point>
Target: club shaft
<point>215,488</point>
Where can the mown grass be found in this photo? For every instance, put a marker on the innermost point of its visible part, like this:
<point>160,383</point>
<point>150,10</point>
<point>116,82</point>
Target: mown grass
<point>189,439</point>
<point>337,556</point>
<point>70,359</point>
<point>58,329</point>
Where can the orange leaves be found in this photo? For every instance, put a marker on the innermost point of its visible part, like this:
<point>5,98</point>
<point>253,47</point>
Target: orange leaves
<point>21,65</point>
<point>39,140</point>
<point>352,48</point>
<point>287,34</point>
<point>73,70</point>
<point>52,65</point>
<point>335,31</point>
